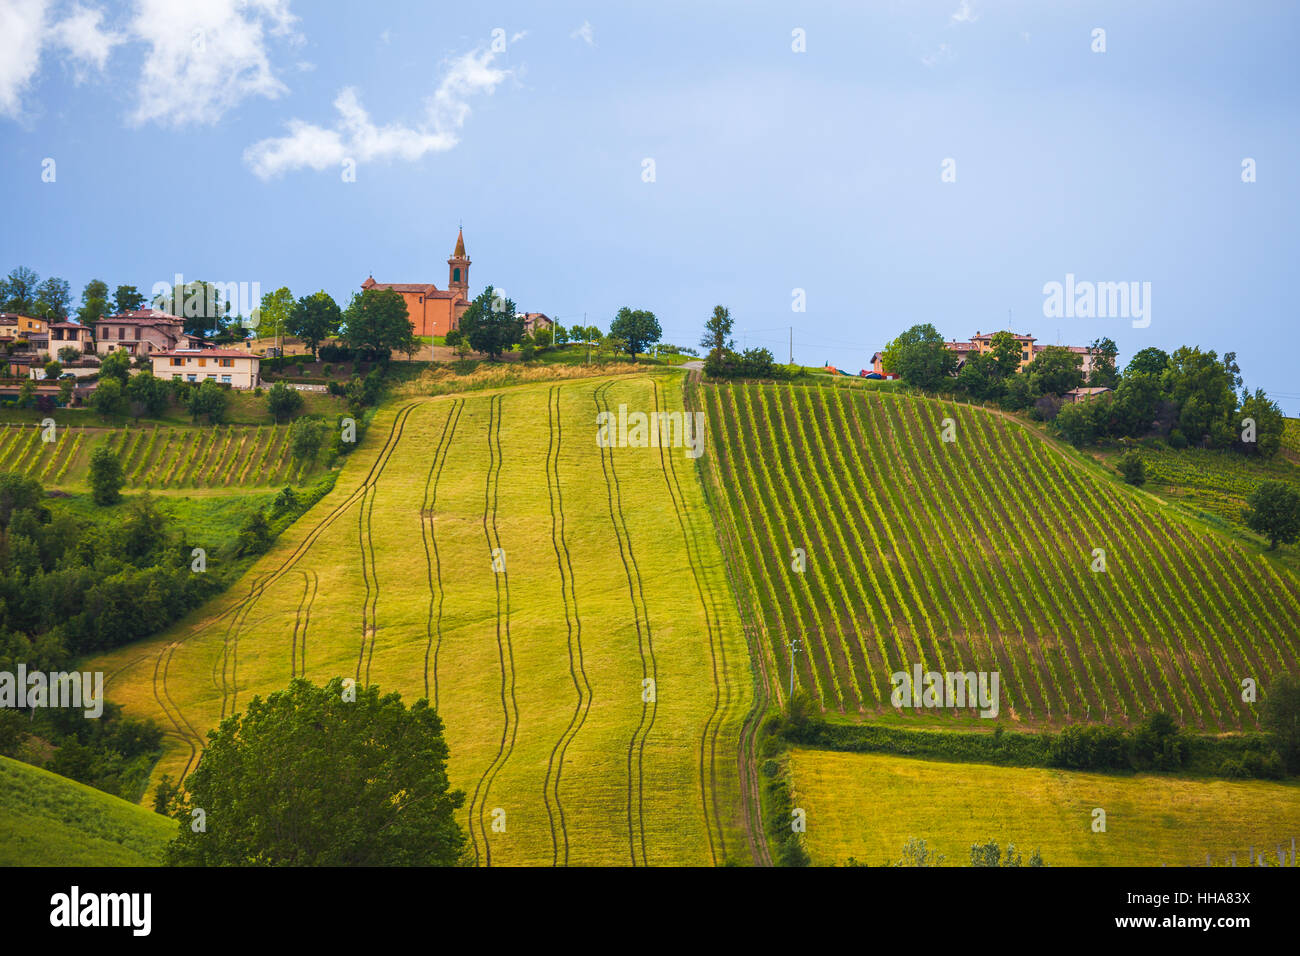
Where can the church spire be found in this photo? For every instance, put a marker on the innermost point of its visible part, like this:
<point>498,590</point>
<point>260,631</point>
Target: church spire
<point>460,245</point>
<point>458,268</point>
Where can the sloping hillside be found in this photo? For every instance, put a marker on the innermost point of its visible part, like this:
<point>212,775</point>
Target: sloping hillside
<point>564,605</point>
<point>48,820</point>
<point>989,551</point>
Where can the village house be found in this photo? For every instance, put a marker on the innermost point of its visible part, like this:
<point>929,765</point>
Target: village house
<point>16,326</point>
<point>433,311</point>
<point>74,334</point>
<point>537,320</point>
<point>1082,394</point>
<point>232,367</point>
<point>143,332</point>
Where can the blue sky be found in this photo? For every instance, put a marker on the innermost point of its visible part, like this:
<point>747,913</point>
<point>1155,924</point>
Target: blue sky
<point>184,138</point>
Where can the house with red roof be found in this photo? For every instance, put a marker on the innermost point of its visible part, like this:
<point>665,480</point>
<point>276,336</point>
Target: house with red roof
<point>237,368</point>
<point>435,311</point>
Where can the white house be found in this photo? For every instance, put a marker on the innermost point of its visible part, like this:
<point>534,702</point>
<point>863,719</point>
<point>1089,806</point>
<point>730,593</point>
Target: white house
<point>232,367</point>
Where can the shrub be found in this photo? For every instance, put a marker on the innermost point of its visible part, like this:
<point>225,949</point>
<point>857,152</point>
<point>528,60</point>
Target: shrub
<point>106,478</point>
<point>283,402</point>
<point>1132,467</point>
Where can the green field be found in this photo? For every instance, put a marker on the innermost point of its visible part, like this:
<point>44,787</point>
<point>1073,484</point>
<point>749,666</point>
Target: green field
<point>612,577</point>
<point>866,806</point>
<point>156,457</point>
<point>48,820</point>
<point>979,554</point>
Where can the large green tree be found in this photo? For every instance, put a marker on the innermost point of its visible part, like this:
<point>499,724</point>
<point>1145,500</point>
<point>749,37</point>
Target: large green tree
<point>316,317</point>
<point>94,302</point>
<point>1205,388</point>
<point>920,357</point>
<point>18,291</point>
<point>127,298</point>
<point>637,327</point>
<point>376,322</point>
<point>1269,424</point>
<point>1055,370</point>
<point>201,304</point>
<point>1280,716</point>
<point>490,325</point>
<point>106,478</point>
<point>1149,361</point>
<point>322,776</point>
<point>53,299</point>
<point>1104,352</point>
<point>1273,510</point>
<point>273,313</point>
<point>717,331</point>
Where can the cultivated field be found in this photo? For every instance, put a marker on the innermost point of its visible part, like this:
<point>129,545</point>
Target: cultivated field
<point>979,554</point>
<point>156,458</point>
<point>866,806</point>
<point>595,685</point>
<point>48,820</point>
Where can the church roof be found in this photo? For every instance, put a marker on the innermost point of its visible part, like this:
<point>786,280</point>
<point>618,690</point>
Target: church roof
<point>460,245</point>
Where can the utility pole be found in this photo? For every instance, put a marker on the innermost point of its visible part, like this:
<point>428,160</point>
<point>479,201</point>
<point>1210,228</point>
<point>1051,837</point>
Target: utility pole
<point>792,345</point>
<point>794,649</point>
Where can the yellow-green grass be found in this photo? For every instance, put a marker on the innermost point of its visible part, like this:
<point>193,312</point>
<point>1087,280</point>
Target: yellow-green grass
<point>159,458</point>
<point>983,553</point>
<point>866,806</point>
<point>431,625</point>
<point>48,820</point>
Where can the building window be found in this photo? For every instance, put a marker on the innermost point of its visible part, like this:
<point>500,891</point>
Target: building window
<point>226,379</point>
<point>136,330</point>
<point>1024,356</point>
<point>121,333</point>
<point>177,360</point>
<point>455,275</point>
<point>191,377</point>
<point>227,363</point>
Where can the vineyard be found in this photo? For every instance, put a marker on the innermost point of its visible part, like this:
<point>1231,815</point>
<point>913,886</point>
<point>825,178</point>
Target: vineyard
<point>1213,482</point>
<point>563,605</point>
<point>156,458</point>
<point>990,552</point>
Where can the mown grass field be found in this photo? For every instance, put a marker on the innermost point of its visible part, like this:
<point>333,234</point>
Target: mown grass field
<point>866,806</point>
<point>611,577</point>
<point>48,820</point>
<point>978,555</point>
<point>157,457</point>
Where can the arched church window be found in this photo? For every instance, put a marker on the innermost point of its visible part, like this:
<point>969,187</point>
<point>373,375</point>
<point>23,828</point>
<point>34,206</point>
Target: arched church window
<point>455,275</point>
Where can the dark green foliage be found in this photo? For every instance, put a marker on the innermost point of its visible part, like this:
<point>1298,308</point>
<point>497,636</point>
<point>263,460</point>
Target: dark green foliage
<point>209,401</point>
<point>1280,717</point>
<point>920,357</point>
<point>377,324</point>
<point>116,364</point>
<point>490,325</point>
<point>1132,468</point>
<point>305,437</point>
<point>309,777</point>
<point>315,318</point>
<point>147,394</point>
<point>1149,361</point>
<point>108,398</point>
<point>283,402</point>
<point>637,327</point>
<point>1273,510</point>
<point>255,535</point>
<point>990,854</point>
<point>106,478</point>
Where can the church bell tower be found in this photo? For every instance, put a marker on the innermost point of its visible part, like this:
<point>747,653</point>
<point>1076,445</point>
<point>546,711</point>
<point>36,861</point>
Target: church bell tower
<point>458,268</point>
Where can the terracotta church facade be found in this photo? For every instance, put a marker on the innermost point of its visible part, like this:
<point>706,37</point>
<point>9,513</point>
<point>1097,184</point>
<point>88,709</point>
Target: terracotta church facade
<point>435,311</point>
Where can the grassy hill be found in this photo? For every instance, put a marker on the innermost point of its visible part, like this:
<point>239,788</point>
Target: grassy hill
<point>48,820</point>
<point>1151,820</point>
<point>156,458</point>
<point>979,554</point>
<point>609,576</point>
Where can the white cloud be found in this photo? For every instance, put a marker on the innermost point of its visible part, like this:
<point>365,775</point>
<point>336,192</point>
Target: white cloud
<point>22,31</point>
<point>584,33</point>
<point>943,53</point>
<point>355,137</point>
<point>206,56</point>
<point>82,35</point>
<point>964,13</point>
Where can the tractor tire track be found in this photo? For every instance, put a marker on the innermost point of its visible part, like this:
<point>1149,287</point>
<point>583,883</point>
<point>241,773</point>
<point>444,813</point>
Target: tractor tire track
<point>747,758</point>
<point>310,582</point>
<point>433,564</point>
<point>644,639</point>
<point>573,623</point>
<point>505,652</point>
<point>721,697</point>
<point>237,610</point>
<point>158,695</point>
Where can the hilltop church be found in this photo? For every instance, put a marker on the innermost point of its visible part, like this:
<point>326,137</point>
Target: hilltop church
<point>433,311</point>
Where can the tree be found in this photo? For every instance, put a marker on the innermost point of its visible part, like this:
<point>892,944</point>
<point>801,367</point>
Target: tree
<point>456,340</point>
<point>127,298</point>
<point>981,376</point>
<point>94,302</point>
<point>1205,389</point>
<point>53,370</point>
<point>106,478</point>
<point>209,400</point>
<point>1103,375</point>
<point>53,299</point>
<point>1005,350</point>
<point>490,324</point>
<point>916,853</point>
<point>717,331</point>
<point>1132,468</point>
<point>65,392</point>
<point>108,398</point>
<point>116,364</point>
<point>323,776</point>
<point>637,327</point>
<point>990,854</point>
<point>1137,403</point>
<point>273,313</point>
<point>1273,510</point>
<point>201,304</point>
<point>283,402</point>
<point>1280,716</point>
<point>1055,370</point>
<point>254,535</point>
<point>1268,428</point>
<point>376,322</point>
<point>69,354</point>
<point>18,291</point>
<point>305,437</point>
<point>148,394</point>
<point>1149,361</point>
<point>920,357</point>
